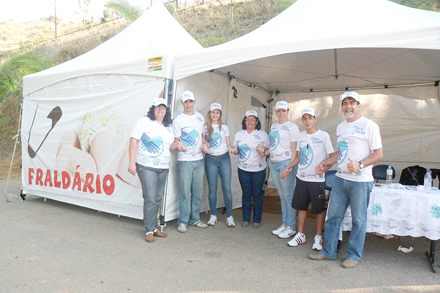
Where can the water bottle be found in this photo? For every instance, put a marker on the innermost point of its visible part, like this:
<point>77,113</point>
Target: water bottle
<point>427,182</point>
<point>389,178</point>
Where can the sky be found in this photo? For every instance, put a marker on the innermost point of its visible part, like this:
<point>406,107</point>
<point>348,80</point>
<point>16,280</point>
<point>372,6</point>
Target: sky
<point>35,9</point>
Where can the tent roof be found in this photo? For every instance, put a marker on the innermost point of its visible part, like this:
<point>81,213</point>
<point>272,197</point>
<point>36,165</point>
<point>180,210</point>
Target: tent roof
<point>155,33</point>
<point>330,45</point>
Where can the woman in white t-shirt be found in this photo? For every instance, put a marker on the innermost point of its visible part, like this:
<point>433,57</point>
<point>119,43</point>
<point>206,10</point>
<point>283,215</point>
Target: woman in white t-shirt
<point>283,140</point>
<point>251,166</point>
<point>218,162</point>
<point>151,140</point>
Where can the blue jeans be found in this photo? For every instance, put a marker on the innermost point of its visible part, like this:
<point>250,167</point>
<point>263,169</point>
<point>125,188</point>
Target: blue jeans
<point>285,188</point>
<point>252,187</point>
<point>344,193</point>
<point>190,189</point>
<point>153,185</point>
<point>215,165</point>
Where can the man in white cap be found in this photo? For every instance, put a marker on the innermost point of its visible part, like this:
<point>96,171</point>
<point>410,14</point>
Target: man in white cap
<point>188,131</point>
<point>359,147</point>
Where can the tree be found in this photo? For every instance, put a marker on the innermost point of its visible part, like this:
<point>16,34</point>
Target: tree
<point>125,8</point>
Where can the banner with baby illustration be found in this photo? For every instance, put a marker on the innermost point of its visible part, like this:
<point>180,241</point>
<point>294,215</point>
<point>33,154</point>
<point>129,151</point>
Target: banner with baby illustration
<point>75,149</point>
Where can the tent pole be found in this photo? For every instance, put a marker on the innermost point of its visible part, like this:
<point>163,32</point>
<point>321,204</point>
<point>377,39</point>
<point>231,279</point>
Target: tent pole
<point>336,63</point>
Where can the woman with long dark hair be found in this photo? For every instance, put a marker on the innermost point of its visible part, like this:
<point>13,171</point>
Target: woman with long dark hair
<point>151,140</point>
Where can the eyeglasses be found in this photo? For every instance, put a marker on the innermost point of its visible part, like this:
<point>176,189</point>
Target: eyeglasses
<point>160,107</point>
<point>351,103</point>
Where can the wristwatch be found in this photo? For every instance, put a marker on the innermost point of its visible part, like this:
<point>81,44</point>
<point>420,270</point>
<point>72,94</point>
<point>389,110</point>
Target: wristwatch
<point>361,165</point>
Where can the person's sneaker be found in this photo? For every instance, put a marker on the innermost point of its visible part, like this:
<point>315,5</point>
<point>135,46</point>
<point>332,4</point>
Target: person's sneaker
<point>230,221</point>
<point>256,225</point>
<point>278,230</point>
<point>349,263</point>
<point>317,244</point>
<point>182,228</point>
<point>212,220</point>
<point>299,239</point>
<point>286,233</point>
<point>245,224</point>
<point>198,224</point>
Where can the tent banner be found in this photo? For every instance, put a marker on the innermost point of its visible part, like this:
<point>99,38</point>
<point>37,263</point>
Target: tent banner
<point>75,149</point>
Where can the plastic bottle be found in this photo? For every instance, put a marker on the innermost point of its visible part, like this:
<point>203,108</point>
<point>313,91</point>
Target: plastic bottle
<point>427,182</point>
<point>389,178</point>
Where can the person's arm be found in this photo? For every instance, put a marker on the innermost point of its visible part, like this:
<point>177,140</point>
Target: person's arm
<point>205,144</point>
<point>375,156</point>
<point>325,165</point>
<point>294,160</point>
<point>132,148</point>
<point>228,144</point>
<point>180,145</point>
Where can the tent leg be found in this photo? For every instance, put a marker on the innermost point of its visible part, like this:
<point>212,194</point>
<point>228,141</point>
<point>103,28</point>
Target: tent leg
<point>162,222</point>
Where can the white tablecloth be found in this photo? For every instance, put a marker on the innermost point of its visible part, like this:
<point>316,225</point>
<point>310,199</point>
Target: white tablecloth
<point>402,212</point>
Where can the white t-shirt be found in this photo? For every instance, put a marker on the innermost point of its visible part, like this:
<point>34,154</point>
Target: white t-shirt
<point>189,129</point>
<point>357,140</point>
<point>281,137</point>
<point>153,148</point>
<point>314,148</point>
<point>218,139</point>
<point>248,158</point>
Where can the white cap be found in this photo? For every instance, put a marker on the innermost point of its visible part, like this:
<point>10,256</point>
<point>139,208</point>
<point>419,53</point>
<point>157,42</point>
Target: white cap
<point>187,95</point>
<point>251,113</point>
<point>281,105</point>
<point>160,101</point>
<point>309,111</point>
<point>215,106</point>
<point>353,95</point>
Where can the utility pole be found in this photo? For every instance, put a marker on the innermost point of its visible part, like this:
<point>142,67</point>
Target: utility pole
<point>56,23</point>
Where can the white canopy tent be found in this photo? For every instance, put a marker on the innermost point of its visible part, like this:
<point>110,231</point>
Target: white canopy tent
<point>316,49</point>
<point>101,93</point>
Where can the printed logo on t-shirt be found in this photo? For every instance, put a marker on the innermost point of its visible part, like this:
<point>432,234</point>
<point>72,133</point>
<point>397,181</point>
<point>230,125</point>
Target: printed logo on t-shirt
<point>343,151</point>
<point>358,129</point>
<point>190,137</point>
<point>216,140</point>
<point>244,152</point>
<point>274,138</point>
<point>200,119</point>
<point>306,157</point>
<point>153,145</point>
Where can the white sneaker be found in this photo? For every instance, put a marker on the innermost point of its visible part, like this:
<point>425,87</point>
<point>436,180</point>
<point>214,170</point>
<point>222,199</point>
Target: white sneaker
<point>299,239</point>
<point>278,230</point>
<point>317,244</point>
<point>198,224</point>
<point>182,228</point>
<point>212,220</point>
<point>286,233</point>
<point>230,221</point>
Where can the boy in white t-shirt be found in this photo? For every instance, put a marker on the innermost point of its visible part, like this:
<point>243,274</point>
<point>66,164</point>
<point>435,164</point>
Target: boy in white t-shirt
<point>313,147</point>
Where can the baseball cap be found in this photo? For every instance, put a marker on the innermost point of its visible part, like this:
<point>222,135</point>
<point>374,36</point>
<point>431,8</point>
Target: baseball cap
<point>353,95</point>
<point>215,106</point>
<point>251,113</point>
<point>160,101</point>
<point>309,111</point>
<point>281,105</point>
<point>187,95</point>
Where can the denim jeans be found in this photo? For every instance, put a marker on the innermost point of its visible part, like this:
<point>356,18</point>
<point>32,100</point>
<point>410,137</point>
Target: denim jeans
<point>190,189</point>
<point>252,188</point>
<point>153,185</point>
<point>214,166</point>
<point>285,188</point>
<point>344,193</point>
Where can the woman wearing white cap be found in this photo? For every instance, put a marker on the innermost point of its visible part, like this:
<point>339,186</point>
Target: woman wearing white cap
<point>149,152</point>
<point>283,139</point>
<point>218,162</point>
<point>251,166</point>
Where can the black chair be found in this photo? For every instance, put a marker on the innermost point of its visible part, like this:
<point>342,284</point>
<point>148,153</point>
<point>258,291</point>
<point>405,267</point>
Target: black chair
<point>380,172</point>
<point>329,177</point>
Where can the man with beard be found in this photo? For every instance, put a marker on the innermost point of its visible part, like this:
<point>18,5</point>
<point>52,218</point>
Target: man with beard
<point>360,146</point>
